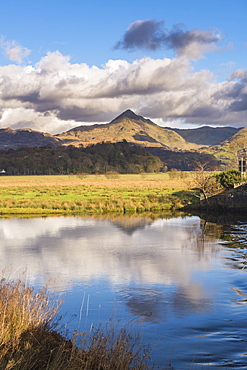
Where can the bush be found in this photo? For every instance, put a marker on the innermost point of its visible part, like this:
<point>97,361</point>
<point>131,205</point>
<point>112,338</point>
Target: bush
<point>82,175</point>
<point>229,178</point>
<point>112,175</point>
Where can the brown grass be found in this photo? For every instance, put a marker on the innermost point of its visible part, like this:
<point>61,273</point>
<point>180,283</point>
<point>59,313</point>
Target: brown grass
<point>158,181</point>
<point>28,342</point>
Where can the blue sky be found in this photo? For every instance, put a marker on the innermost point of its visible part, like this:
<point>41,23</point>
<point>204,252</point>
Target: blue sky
<point>181,63</point>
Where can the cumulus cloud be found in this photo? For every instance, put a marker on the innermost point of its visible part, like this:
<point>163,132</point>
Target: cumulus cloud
<point>55,95</point>
<point>239,74</point>
<point>13,51</point>
<point>151,35</point>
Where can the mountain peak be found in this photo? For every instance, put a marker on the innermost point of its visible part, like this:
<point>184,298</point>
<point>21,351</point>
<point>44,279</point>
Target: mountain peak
<point>128,114</point>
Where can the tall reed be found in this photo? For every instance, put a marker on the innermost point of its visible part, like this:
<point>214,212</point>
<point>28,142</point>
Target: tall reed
<point>22,308</point>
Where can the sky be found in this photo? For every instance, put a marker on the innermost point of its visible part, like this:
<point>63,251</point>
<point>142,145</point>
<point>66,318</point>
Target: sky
<point>66,63</point>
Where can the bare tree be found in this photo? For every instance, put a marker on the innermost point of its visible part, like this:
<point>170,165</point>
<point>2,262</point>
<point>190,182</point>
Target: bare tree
<point>205,180</point>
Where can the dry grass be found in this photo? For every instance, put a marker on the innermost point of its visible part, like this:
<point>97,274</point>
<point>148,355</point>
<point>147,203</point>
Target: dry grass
<point>158,181</point>
<point>22,308</point>
<point>28,342</point>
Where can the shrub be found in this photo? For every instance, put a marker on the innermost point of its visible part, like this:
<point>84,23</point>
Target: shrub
<point>229,178</point>
<point>82,175</point>
<point>112,175</point>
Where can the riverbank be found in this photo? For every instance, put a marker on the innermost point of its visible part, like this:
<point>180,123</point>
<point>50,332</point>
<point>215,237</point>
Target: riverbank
<point>96,194</point>
<point>231,200</point>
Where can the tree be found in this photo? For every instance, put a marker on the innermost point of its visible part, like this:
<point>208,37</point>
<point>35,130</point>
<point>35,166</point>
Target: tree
<point>205,181</point>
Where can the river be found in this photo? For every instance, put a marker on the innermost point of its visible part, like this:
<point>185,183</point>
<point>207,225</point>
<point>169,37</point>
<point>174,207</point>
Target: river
<point>180,282</point>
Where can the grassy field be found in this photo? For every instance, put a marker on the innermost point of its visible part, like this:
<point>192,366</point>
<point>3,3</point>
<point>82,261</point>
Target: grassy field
<point>95,194</point>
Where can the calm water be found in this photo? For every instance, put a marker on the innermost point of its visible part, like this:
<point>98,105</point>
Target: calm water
<point>180,282</point>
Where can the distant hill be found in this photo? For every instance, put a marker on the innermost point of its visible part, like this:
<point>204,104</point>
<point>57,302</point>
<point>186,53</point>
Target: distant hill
<point>207,135</point>
<point>130,127</point>
<point>14,139</point>
<point>227,150</point>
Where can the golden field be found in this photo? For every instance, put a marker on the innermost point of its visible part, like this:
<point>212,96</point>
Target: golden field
<point>95,193</point>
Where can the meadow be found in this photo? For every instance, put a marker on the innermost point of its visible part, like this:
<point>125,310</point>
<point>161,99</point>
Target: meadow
<point>96,194</point>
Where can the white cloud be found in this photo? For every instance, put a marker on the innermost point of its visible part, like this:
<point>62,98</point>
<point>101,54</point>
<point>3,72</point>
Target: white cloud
<point>21,117</point>
<point>13,51</point>
<point>55,95</point>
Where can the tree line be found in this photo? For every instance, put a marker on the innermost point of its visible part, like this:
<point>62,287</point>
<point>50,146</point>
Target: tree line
<point>99,158</point>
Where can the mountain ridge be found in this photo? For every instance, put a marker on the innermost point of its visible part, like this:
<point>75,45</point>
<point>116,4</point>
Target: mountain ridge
<point>14,139</point>
<point>137,130</point>
<point>207,135</point>
<point>127,126</point>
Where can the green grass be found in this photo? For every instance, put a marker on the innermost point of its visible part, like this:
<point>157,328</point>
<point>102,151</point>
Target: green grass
<point>58,195</point>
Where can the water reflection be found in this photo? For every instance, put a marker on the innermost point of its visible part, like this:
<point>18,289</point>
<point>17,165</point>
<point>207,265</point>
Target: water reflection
<point>177,276</point>
<point>154,305</point>
<point>138,257</point>
<point>141,250</point>
<point>231,230</point>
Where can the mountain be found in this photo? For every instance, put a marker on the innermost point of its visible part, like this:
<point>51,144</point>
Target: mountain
<point>127,126</point>
<point>14,139</point>
<point>130,127</point>
<point>177,148</point>
<point>207,135</point>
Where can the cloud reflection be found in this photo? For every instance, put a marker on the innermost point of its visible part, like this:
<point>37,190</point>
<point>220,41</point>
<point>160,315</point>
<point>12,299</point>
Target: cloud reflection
<point>149,265</point>
<point>75,249</point>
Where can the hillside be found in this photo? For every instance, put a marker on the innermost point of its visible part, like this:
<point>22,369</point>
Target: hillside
<point>185,160</point>
<point>130,127</point>
<point>14,139</point>
<point>99,158</point>
<point>227,150</point>
<point>207,135</point>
